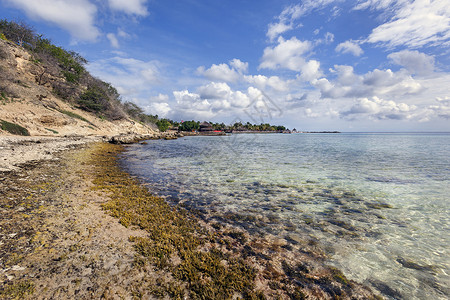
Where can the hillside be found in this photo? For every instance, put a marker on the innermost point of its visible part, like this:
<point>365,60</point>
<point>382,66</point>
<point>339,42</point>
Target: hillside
<point>47,91</point>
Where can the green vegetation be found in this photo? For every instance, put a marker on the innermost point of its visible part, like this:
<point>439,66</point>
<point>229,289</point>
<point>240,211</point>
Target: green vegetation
<point>238,126</point>
<point>52,130</point>
<point>13,128</point>
<point>99,98</point>
<point>173,235</point>
<point>70,62</point>
<point>4,98</point>
<point>93,99</point>
<point>138,114</point>
<point>17,291</point>
<point>74,115</point>
<point>189,126</point>
<point>163,124</point>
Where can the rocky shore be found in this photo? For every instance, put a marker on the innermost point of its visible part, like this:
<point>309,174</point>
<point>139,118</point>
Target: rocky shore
<point>58,242</point>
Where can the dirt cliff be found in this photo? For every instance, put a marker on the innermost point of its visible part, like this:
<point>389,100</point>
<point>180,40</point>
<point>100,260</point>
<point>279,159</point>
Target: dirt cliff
<point>28,99</point>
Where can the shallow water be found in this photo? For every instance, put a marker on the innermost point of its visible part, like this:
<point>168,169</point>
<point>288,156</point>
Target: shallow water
<point>377,203</point>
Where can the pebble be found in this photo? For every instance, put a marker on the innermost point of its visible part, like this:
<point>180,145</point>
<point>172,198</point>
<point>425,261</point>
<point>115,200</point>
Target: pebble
<point>17,268</point>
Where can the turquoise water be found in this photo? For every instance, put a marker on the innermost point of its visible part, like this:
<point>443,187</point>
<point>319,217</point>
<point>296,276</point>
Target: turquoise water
<point>378,204</point>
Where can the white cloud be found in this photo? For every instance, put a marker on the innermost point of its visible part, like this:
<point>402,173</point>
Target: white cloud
<point>162,109</point>
<point>381,78</point>
<point>261,82</point>
<point>160,98</point>
<point>310,71</point>
<point>219,72</point>
<point>276,29</point>
<point>376,4</point>
<point>75,16</point>
<point>376,108</point>
<point>288,54</point>
<point>131,77</point>
<point>224,72</point>
<point>121,33</point>
<point>346,75</point>
<point>239,65</point>
<point>113,40</point>
<point>190,105</point>
<point>329,38</point>
<point>215,90</point>
<point>130,7</point>
<point>414,61</point>
<point>349,47</point>
<point>221,96</point>
<point>414,23</point>
<point>218,99</point>
<point>292,13</point>
<point>374,83</point>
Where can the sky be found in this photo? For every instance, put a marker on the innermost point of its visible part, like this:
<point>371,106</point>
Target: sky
<point>361,65</point>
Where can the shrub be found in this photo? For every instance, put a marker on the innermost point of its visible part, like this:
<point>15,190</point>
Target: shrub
<point>13,128</point>
<point>163,124</point>
<point>20,33</point>
<point>189,126</point>
<point>51,130</point>
<point>93,99</point>
<point>70,62</point>
<point>74,115</point>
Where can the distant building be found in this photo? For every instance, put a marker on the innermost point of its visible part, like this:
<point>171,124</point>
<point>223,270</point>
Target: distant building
<point>206,127</point>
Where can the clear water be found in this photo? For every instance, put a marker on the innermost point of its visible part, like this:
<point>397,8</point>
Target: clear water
<point>377,203</point>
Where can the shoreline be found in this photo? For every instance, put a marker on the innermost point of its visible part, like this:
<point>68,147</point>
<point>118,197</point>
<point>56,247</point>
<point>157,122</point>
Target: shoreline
<point>93,249</point>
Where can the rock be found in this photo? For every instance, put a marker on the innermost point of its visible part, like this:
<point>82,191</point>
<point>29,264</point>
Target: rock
<point>129,138</point>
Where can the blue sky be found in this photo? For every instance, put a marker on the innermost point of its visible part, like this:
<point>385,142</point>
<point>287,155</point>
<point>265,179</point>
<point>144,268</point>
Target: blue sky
<point>368,65</point>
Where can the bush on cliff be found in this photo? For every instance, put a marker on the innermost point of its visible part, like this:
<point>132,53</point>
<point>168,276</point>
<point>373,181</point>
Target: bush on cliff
<point>13,128</point>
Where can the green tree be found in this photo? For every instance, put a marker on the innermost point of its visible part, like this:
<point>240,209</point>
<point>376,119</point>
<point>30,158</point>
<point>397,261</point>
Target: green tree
<point>94,99</point>
<point>163,124</point>
<point>189,126</point>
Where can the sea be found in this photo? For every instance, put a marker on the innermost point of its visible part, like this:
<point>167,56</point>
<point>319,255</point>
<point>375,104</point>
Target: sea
<point>377,203</point>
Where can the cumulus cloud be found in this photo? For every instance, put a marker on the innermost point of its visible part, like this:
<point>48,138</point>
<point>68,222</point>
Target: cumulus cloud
<point>310,70</point>
<point>162,109</point>
<point>190,105</point>
<point>289,54</point>
<point>240,66</point>
<point>347,84</point>
<point>225,72</point>
<point>349,47</point>
<point>261,82</point>
<point>75,16</point>
<point>414,61</point>
<point>413,24</point>
<point>219,99</point>
<point>130,7</point>
<point>221,96</point>
<point>221,72</point>
<point>380,109</point>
